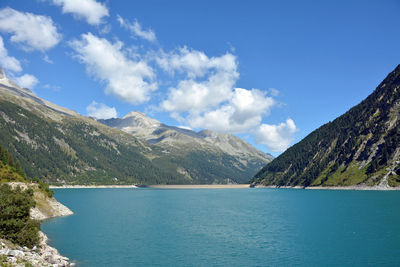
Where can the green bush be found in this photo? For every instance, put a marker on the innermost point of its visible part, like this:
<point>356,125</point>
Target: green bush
<point>15,222</point>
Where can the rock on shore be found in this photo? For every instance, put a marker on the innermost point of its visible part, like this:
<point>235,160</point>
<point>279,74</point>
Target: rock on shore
<point>43,255</point>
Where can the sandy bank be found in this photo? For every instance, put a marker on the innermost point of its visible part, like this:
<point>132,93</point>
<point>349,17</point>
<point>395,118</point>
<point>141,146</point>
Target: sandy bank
<point>199,186</point>
<point>181,186</point>
<point>91,186</point>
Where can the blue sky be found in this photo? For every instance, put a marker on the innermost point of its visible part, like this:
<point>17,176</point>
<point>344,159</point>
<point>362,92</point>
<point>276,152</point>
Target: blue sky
<point>268,71</point>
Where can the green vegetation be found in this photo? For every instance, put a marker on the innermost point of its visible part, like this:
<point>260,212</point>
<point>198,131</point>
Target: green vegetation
<point>80,151</point>
<point>15,203</point>
<point>357,147</point>
<point>72,151</point>
<point>15,222</point>
<point>44,187</point>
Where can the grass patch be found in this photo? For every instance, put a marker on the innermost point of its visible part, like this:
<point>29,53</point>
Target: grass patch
<point>394,180</point>
<point>346,177</point>
<point>9,174</point>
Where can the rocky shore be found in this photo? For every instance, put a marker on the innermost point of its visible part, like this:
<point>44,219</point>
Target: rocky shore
<point>43,254</point>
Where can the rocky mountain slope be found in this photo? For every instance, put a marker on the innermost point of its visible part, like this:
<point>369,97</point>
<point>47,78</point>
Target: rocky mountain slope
<point>175,139</point>
<point>62,147</point>
<point>361,147</point>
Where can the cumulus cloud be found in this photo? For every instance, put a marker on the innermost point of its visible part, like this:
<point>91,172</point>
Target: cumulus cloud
<point>205,97</point>
<point>241,113</point>
<point>101,111</point>
<point>207,94</point>
<point>7,62</point>
<point>129,80</point>
<point>32,32</point>
<point>26,81</point>
<point>207,81</point>
<point>136,29</point>
<point>90,10</point>
<point>276,137</point>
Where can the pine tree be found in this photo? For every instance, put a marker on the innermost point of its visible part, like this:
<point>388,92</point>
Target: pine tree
<point>10,160</point>
<point>20,170</point>
<point>4,156</point>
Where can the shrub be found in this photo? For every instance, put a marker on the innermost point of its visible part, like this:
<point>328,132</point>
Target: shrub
<point>15,222</point>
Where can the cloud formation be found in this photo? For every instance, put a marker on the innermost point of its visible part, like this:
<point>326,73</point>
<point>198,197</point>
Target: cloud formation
<point>14,66</point>
<point>30,31</point>
<point>276,137</point>
<point>240,114</point>
<point>90,10</point>
<point>101,111</point>
<point>129,80</point>
<point>207,81</point>
<point>27,81</point>
<point>205,97</point>
<point>7,62</point>
<point>136,29</point>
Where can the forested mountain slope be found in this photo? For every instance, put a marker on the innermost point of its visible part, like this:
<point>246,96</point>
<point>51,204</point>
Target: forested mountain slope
<point>361,147</point>
<point>177,141</point>
<point>62,147</point>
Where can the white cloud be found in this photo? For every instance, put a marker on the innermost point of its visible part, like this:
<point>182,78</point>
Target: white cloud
<point>101,111</point>
<point>184,127</point>
<point>26,81</point>
<point>136,29</point>
<point>129,80</point>
<point>12,64</point>
<point>7,62</point>
<point>105,29</point>
<point>90,10</point>
<point>276,137</point>
<point>241,113</point>
<point>207,82</point>
<point>273,91</point>
<point>32,32</point>
<point>205,97</point>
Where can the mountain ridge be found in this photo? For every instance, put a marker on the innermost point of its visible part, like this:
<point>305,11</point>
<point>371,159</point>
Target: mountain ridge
<point>60,146</point>
<point>360,147</point>
<point>155,132</point>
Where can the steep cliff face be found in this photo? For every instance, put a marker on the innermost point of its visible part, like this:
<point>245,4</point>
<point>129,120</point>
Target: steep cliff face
<point>361,147</point>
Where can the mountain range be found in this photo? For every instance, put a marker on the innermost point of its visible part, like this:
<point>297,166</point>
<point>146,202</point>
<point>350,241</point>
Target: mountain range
<point>359,148</point>
<point>61,146</point>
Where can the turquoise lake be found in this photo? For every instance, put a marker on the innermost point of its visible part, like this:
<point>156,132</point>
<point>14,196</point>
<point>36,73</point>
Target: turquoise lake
<point>227,227</point>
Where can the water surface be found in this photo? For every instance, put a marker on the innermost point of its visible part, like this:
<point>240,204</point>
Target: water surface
<point>228,227</point>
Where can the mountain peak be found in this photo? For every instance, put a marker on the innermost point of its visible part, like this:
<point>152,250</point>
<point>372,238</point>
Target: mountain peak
<point>134,114</point>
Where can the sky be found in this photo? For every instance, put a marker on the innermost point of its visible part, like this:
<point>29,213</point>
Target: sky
<point>269,72</point>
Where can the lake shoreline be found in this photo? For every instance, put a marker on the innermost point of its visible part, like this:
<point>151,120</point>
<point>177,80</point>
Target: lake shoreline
<point>356,188</point>
<point>91,186</point>
<point>189,186</point>
<point>230,186</point>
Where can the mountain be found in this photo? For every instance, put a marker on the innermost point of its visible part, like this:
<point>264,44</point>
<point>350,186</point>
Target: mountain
<point>178,140</point>
<point>361,147</point>
<point>62,147</point>
<point>224,155</point>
